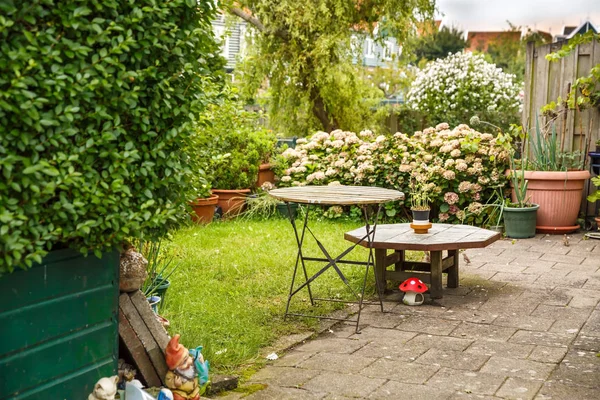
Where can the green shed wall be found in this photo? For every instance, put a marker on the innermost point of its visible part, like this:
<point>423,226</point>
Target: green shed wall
<point>58,326</point>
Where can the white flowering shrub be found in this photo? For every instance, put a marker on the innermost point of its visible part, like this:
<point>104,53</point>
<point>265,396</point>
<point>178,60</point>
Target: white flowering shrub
<point>463,166</point>
<point>462,85</point>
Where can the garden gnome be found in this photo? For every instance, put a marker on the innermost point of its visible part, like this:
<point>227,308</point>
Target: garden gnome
<point>182,377</point>
<point>105,389</point>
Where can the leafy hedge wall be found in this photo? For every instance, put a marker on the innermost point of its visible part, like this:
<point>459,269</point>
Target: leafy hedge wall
<point>97,101</point>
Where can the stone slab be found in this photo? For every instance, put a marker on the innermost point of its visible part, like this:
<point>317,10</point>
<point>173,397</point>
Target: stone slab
<point>283,376</point>
<point>482,331</point>
<point>466,381</point>
<point>400,371</point>
<point>453,359</point>
<point>344,385</point>
<point>516,388</point>
<point>515,368</point>
<point>393,390</point>
<point>342,363</point>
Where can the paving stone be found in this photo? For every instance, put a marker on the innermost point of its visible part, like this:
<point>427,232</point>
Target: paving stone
<point>561,313</point>
<point>592,325</point>
<point>579,368</point>
<point>490,250</point>
<point>560,281</point>
<point>592,261</point>
<point>342,363</point>
<point>526,322</point>
<point>558,297</point>
<point>432,326</point>
<point>391,349</point>
<point>523,255</point>
<point>292,359</point>
<point>516,388</point>
<point>373,317</point>
<point>283,376</point>
<point>400,371</point>
<point>585,300</point>
<point>396,390</point>
<point>501,267</point>
<point>481,331</point>
<point>453,359</point>
<point>371,333</point>
<point>512,306</point>
<point>517,368</point>
<point>547,354</point>
<point>566,326</point>
<point>475,316</point>
<point>538,263</point>
<point>514,277</point>
<point>440,342</point>
<point>537,270</point>
<point>551,339</point>
<point>466,381</point>
<point>560,391</point>
<point>500,349</point>
<point>589,343</point>
<point>333,396</point>
<point>472,396</point>
<point>284,393</point>
<point>332,345</point>
<point>566,258</point>
<point>344,385</point>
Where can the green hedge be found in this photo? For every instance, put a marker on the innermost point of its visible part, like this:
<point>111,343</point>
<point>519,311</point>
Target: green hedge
<point>97,100</point>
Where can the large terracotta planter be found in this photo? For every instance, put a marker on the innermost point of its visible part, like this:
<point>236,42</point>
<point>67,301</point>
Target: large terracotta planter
<point>232,202</point>
<point>559,195</point>
<point>205,209</point>
<point>265,174</point>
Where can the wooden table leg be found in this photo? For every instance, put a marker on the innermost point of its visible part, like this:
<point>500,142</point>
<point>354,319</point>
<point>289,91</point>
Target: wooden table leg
<point>453,276</point>
<point>380,256</point>
<point>399,266</point>
<point>436,275</point>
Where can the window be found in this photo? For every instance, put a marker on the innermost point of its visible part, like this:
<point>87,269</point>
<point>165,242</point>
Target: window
<point>369,48</point>
<point>387,51</point>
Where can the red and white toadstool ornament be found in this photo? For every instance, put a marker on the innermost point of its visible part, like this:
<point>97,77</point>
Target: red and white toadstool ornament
<point>413,289</point>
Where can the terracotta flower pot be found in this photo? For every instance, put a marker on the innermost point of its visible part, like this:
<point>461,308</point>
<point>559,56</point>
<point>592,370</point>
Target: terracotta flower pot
<point>232,202</point>
<point>205,209</point>
<point>265,174</point>
<point>597,219</point>
<point>558,194</point>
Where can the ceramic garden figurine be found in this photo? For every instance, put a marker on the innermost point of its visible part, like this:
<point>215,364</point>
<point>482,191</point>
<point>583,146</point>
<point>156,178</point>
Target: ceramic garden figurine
<point>201,368</point>
<point>182,377</point>
<point>105,389</point>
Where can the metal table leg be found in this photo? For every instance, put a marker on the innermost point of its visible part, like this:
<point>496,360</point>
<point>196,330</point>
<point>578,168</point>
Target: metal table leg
<point>332,262</point>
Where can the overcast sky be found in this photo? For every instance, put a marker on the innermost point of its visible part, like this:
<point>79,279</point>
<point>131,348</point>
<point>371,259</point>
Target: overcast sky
<point>545,15</point>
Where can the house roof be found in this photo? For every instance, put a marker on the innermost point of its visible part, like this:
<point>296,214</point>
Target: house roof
<point>569,31</point>
<point>480,41</point>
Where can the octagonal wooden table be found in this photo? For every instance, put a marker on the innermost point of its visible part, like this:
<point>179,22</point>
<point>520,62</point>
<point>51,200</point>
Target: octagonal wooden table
<point>441,237</point>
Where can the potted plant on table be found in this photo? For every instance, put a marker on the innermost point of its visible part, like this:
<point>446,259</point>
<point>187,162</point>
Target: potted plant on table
<point>420,199</point>
<point>520,215</point>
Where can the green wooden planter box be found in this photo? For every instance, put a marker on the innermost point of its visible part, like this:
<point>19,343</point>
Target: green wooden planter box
<point>58,324</point>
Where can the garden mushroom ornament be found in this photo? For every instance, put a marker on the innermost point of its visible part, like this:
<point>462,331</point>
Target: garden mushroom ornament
<point>413,289</point>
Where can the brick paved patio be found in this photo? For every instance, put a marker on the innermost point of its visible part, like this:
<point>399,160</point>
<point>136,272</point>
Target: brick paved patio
<point>525,324</point>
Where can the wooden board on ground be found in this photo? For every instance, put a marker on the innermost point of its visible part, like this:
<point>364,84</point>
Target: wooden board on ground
<point>138,354</point>
<point>154,326</point>
<point>140,323</point>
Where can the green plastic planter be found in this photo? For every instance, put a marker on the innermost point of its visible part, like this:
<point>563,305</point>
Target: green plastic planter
<point>59,326</point>
<point>519,223</point>
<point>282,209</point>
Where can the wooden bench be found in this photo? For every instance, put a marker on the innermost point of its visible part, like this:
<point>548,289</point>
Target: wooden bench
<point>441,237</point>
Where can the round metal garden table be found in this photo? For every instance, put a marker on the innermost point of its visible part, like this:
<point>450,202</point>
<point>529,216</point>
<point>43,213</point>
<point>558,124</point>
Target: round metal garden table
<point>362,196</point>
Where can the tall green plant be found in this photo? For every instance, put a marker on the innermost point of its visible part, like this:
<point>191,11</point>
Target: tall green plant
<point>97,100</point>
<point>519,184</point>
<point>547,154</point>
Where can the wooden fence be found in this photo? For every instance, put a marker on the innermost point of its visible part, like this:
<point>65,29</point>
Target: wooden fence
<point>545,81</point>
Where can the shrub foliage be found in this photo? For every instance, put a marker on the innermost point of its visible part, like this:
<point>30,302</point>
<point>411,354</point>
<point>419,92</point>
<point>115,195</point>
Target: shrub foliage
<point>460,168</point>
<point>97,100</point>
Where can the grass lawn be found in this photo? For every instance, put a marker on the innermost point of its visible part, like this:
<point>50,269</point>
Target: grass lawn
<point>230,290</point>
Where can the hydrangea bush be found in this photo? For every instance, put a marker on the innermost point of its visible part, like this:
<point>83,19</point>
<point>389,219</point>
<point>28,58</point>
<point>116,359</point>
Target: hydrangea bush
<point>464,84</point>
<point>463,166</point>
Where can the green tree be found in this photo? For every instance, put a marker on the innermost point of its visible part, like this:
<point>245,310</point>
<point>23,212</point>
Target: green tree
<point>440,44</point>
<point>305,51</point>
